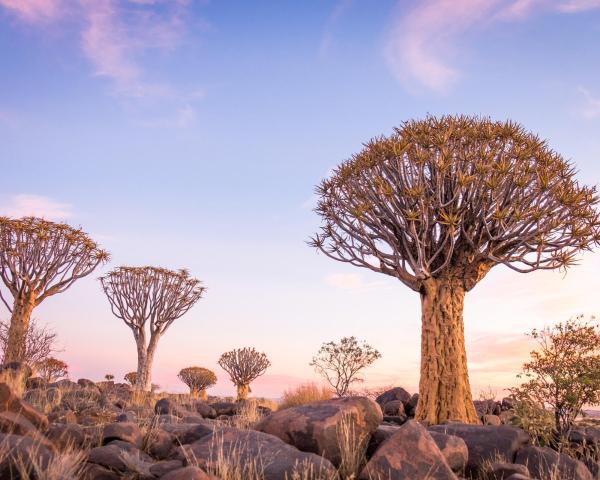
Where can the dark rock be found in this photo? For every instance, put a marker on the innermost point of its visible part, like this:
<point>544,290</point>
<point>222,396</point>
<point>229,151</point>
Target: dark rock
<point>397,393</point>
<point>502,470</point>
<point>486,443</point>
<point>225,408</point>
<point>112,455</point>
<point>186,473</point>
<point>126,417</point>
<point>92,471</point>
<point>160,444</point>
<point>21,451</point>
<point>454,449</point>
<point>314,427</point>
<point>508,403</point>
<point>66,435</point>
<point>411,405</point>
<point>185,433</point>
<point>125,431</point>
<point>396,420</point>
<point>379,436</point>
<point>489,419</point>
<point>162,468</point>
<point>393,408</point>
<point>164,419</point>
<point>10,402</point>
<point>205,410</point>
<point>409,454</point>
<point>543,462</point>
<point>278,459</point>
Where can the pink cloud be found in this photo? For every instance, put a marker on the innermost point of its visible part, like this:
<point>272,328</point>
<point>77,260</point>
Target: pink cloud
<point>33,11</point>
<point>35,205</point>
<point>424,43</point>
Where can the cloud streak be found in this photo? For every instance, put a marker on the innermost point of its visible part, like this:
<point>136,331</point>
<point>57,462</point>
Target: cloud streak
<point>23,205</point>
<point>424,42</point>
<point>34,11</point>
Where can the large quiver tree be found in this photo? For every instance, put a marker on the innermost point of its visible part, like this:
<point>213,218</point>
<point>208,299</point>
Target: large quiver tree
<point>149,300</point>
<point>38,259</point>
<point>437,204</point>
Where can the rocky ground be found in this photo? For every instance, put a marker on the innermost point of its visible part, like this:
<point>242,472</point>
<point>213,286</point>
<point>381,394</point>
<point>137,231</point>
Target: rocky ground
<point>100,431</point>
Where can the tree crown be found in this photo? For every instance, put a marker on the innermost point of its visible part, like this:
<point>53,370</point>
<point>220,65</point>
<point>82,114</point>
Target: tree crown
<point>197,377</point>
<point>138,295</point>
<point>455,195</point>
<point>52,369</point>
<point>131,378</point>
<point>244,365</point>
<point>44,258</point>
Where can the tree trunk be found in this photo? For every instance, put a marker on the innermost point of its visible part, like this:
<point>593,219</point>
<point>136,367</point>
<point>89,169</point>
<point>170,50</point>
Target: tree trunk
<point>145,359</point>
<point>242,392</point>
<point>199,393</point>
<point>444,390</point>
<point>19,325</point>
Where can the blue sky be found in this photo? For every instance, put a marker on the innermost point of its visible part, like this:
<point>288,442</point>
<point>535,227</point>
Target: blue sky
<point>191,134</point>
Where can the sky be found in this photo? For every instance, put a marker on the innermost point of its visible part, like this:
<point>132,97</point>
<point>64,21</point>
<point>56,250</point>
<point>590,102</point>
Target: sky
<point>182,133</point>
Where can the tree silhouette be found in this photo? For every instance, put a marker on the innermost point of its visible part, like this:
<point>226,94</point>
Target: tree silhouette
<point>198,379</point>
<point>244,365</point>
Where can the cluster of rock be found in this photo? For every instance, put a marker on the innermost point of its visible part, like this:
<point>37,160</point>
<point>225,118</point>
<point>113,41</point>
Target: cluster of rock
<point>187,439</point>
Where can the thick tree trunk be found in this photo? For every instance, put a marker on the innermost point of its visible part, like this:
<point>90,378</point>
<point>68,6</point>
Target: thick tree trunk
<point>199,393</point>
<point>444,390</point>
<point>19,325</point>
<point>242,392</point>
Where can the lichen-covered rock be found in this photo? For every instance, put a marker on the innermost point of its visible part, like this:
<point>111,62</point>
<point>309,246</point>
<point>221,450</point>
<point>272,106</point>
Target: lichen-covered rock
<point>246,446</point>
<point>486,443</point>
<point>543,462</point>
<point>315,427</point>
<point>409,454</point>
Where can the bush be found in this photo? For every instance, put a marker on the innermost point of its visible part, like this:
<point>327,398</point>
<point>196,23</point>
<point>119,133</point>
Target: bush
<point>303,394</point>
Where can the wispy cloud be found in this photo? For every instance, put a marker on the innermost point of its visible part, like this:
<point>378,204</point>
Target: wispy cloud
<point>424,42</point>
<point>340,7</point>
<point>591,106</point>
<point>22,205</point>
<point>34,11</point>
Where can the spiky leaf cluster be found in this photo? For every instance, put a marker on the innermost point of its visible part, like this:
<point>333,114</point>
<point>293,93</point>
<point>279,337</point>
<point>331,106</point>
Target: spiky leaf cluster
<point>197,378</point>
<point>44,258</point>
<point>455,194</point>
<point>244,365</point>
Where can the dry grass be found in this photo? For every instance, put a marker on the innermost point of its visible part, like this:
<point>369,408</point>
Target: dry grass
<point>67,465</point>
<point>303,394</point>
<point>353,447</point>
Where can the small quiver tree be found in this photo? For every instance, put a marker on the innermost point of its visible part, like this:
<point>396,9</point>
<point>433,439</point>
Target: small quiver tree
<point>149,300</point>
<point>437,204</point>
<point>52,369</point>
<point>198,379</point>
<point>131,378</point>
<point>340,363</point>
<point>39,259</point>
<point>244,365</point>
<point>563,374</point>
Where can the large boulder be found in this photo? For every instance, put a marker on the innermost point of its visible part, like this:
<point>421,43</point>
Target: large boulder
<point>10,402</point>
<point>66,435</point>
<point>243,447</point>
<point>543,462</point>
<point>186,473</point>
<point>315,427</point>
<point>486,443</point>
<point>114,456</point>
<point>21,453</point>
<point>125,431</point>
<point>409,454</point>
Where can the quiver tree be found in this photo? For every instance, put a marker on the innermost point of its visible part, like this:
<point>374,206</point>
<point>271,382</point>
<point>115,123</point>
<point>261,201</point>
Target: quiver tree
<point>149,300</point>
<point>39,259</point>
<point>437,204</point>
<point>131,378</point>
<point>244,365</point>
<point>340,363</point>
<point>52,369</point>
<point>40,342</point>
<point>198,379</point>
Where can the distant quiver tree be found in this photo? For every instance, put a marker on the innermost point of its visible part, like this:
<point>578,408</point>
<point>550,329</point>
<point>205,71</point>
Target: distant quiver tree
<point>437,204</point>
<point>198,379</point>
<point>244,365</point>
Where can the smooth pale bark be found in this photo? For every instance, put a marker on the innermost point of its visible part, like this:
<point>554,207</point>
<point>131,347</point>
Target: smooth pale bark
<point>145,360</point>
<point>242,392</point>
<point>444,389</point>
<point>199,393</point>
<point>19,325</point>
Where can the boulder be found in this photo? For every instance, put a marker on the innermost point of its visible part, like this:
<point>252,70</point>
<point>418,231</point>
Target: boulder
<point>486,443</point>
<point>395,419</point>
<point>395,407</point>
<point>543,462</point>
<point>315,427</point>
<point>162,468</point>
<point>125,431</point>
<point>112,456</point>
<point>397,393</point>
<point>489,419</point>
<point>92,471</point>
<point>503,470</point>
<point>19,451</point>
<point>245,446</point>
<point>160,444</point>
<point>411,405</point>
<point>185,433</point>
<point>166,406</point>
<point>10,402</point>
<point>205,410</point>
<point>454,449</point>
<point>225,408</point>
<point>66,435</point>
<point>186,473</point>
<point>379,436</point>
<point>409,454</point>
